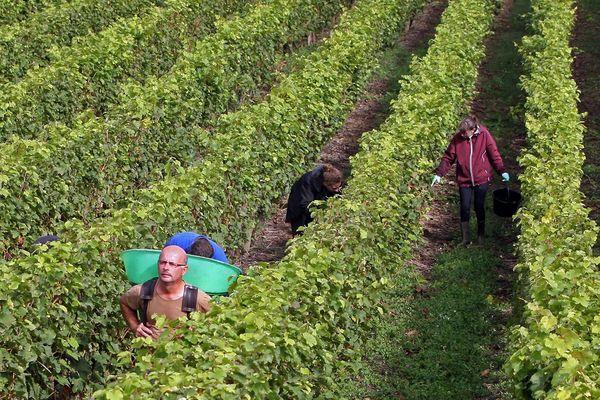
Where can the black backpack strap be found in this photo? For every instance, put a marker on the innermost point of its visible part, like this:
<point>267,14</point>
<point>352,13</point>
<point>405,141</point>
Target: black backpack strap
<point>190,298</point>
<point>146,295</point>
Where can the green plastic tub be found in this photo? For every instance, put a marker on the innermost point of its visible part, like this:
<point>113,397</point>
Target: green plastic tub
<point>212,276</point>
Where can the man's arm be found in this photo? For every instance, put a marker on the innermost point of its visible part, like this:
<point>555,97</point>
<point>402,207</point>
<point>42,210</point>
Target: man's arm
<point>203,302</point>
<point>131,318</point>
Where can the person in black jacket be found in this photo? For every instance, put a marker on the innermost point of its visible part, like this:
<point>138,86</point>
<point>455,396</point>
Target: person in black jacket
<point>318,184</point>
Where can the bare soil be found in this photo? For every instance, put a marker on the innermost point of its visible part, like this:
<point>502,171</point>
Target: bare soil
<point>268,243</point>
<point>586,71</point>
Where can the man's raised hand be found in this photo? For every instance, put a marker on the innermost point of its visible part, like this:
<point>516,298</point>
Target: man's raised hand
<point>144,331</point>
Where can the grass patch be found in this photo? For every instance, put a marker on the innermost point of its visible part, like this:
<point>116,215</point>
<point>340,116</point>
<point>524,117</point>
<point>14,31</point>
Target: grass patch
<point>441,341</point>
<point>587,40</point>
<point>502,96</point>
<point>448,354</point>
<point>395,63</point>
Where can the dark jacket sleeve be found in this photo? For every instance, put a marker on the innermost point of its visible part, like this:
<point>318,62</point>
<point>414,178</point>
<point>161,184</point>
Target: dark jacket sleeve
<point>494,154</point>
<point>448,159</point>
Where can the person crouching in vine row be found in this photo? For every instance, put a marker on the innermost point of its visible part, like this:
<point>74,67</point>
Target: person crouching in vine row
<point>319,184</point>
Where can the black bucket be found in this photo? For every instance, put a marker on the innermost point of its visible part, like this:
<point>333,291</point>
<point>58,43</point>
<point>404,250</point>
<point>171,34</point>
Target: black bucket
<point>506,202</point>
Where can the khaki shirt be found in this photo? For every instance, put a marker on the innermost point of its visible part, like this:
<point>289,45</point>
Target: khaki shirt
<point>169,308</point>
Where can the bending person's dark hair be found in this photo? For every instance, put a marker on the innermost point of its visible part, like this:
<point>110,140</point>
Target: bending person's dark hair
<point>201,247</point>
<point>331,175</point>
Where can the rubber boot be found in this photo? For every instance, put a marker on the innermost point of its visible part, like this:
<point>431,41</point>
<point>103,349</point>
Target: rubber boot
<point>466,235</point>
<point>480,232</point>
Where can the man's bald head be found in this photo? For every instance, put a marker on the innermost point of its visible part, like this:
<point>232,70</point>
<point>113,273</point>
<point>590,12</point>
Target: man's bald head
<point>172,264</point>
<point>175,252</point>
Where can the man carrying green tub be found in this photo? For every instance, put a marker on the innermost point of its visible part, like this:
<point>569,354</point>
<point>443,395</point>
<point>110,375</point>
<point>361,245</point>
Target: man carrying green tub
<point>166,295</point>
<point>198,245</point>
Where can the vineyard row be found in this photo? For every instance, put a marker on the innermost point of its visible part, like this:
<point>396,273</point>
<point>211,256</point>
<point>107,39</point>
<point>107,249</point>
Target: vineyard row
<point>12,11</point>
<point>100,162</point>
<point>556,348</point>
<point>82,275</point>
<point>28,43</point>
<point>288,328</point>
<point>90,73</point>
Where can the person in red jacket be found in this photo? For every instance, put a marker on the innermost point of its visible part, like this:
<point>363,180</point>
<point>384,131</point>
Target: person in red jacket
<point>475,153</point>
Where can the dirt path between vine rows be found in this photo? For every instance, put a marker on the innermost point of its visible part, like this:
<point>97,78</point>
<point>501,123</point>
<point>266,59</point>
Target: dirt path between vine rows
<point>268,244</point>
<point>586,72</point>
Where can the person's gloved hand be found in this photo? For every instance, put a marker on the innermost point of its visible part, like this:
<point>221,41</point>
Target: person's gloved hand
<point>505,177</point>
<point>436,179</point>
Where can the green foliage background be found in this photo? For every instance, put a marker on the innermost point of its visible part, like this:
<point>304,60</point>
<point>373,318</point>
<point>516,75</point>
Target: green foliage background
<point>557,345</point>
<point>26,44</point>
<point>292,325</point>
<point>103,161</point>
